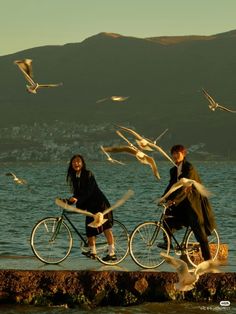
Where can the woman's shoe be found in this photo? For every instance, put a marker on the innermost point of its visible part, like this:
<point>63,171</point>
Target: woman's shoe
<point>90,255</point>
<point>108,258</point>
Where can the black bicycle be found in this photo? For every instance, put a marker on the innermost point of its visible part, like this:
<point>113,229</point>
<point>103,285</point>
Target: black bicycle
<point>51,240</point>
<point>146,237</point>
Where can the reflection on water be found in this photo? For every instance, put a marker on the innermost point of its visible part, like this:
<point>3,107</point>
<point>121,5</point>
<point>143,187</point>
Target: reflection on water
<point>158,308</point>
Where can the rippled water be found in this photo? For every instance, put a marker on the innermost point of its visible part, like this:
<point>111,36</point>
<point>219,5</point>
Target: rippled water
<point>22,206</point>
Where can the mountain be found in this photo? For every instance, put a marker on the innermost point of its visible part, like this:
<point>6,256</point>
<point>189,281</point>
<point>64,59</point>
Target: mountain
<point>163,77</point>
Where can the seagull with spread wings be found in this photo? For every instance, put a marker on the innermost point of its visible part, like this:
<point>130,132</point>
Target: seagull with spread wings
<point>15,178</point>
<point>188,278</point>
<point>113,98</point>
<point>25,66</point>
<point>98,217</point>
<point>187,183</point>
<point>213,105</point>
<point>147,144</point>
<point>133,150</point>
<point>109,157</point>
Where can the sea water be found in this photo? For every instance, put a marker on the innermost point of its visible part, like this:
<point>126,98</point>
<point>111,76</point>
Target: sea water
<point>23,205</point>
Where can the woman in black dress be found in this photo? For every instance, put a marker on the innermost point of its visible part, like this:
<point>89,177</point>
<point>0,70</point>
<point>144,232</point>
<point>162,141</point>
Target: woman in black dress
<point>88,196</point>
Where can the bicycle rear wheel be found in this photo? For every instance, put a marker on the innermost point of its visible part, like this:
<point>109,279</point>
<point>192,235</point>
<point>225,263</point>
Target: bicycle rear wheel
<point>143,244</point>
<point>121,241</point>
<point>51,240</point>
<point>193,249</point>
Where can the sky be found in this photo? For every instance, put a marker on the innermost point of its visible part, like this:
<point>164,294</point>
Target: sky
<point>29,23</point>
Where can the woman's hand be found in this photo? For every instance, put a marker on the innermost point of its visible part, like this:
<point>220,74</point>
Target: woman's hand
<point>72,200</point>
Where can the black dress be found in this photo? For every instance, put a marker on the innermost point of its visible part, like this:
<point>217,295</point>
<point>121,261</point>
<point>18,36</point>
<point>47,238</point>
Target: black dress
<point>92,199</point>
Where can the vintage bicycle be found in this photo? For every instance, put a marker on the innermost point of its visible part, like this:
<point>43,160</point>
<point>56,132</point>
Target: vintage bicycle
<point>52,240</point>
<point>145,238</point>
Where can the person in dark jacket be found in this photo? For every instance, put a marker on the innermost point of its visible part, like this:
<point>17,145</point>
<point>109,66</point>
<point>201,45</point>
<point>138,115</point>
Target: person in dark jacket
<point>187,206</point>
<point>88,196</point>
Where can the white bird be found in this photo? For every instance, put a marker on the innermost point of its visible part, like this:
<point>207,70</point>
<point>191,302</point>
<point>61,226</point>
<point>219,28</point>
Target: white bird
<point>25,66</point>
<point>188,278</point>
<point>213,105</point>
<point>16,180</point>
<point>133,150</point>
<point>109,157</point>
<point>113,98</point>
<point>186,183</point>
<point>147,144</point>
<point>98,217</point>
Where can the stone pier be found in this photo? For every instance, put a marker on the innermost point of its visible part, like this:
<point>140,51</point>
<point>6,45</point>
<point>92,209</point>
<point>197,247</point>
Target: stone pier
<point>89,288</point>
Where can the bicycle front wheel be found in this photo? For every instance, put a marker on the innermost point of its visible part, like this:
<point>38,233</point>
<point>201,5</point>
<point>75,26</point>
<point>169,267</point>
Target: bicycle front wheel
<point>144,242</point>
<point>51,240</point>
<point>121,242</point>
<point>193,248</point>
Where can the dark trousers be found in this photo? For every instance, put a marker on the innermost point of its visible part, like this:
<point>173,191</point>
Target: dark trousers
<point>176,222</point>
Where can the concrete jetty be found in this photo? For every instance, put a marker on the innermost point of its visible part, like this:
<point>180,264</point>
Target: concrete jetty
<point>91,288</point>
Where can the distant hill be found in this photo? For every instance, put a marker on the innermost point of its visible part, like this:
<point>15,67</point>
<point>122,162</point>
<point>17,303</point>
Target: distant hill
<point>163,77</point>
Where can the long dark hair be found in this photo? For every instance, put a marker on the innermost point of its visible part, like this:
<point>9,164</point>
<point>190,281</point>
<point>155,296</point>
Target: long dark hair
<point>71,173</point>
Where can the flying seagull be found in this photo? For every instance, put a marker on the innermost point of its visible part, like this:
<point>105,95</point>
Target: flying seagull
<point>133,150</point>
<point>113,98</point>
<point>188,278</point>
<point>213,105</point>
<point>15,179</point>
<point>109,157</point>
<point>25,66</point>
<point>98,217</point>
<point>147,144</point>
<point>186,183</point>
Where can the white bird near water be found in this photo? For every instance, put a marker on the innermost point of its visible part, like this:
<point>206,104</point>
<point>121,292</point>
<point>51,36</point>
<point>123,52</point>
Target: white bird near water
<point>147,144</point>
<point>15,178</point>
<point>133,150</point>
<point>184,182</point>
<point>98,217</point>
<point>188,278</point>
<point>213,105</point>
<point>25,66</point>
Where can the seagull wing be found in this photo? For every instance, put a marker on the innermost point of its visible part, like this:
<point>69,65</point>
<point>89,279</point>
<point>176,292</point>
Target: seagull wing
<point>209,266</point>
<point>160,136</point>
<point>121,149</point>
<point>11,174</point>
<point>49,85</point>
<point>26,68</point>
<point>158,148</point>
<point>138,136</point>
<point>180,266</point>
<point>125,138</point>
<point>109,157</point>
<point>173,188</point>
<point>70,208</point>
<point>209,98</point>
<point>101,100</point>
<point>153,165</point>
<point>201,189</point>
<point>226,109</point>
<point>120,202</point>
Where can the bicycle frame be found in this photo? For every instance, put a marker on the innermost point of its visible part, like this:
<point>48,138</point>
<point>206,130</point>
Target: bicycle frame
<point>57,229</point>
<point>179,246</point>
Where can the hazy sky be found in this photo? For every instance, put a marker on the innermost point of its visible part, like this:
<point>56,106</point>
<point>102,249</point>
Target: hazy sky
<point>30,23</point>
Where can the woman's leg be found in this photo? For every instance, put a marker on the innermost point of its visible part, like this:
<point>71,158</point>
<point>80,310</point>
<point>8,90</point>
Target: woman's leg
<point>110,240</point>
